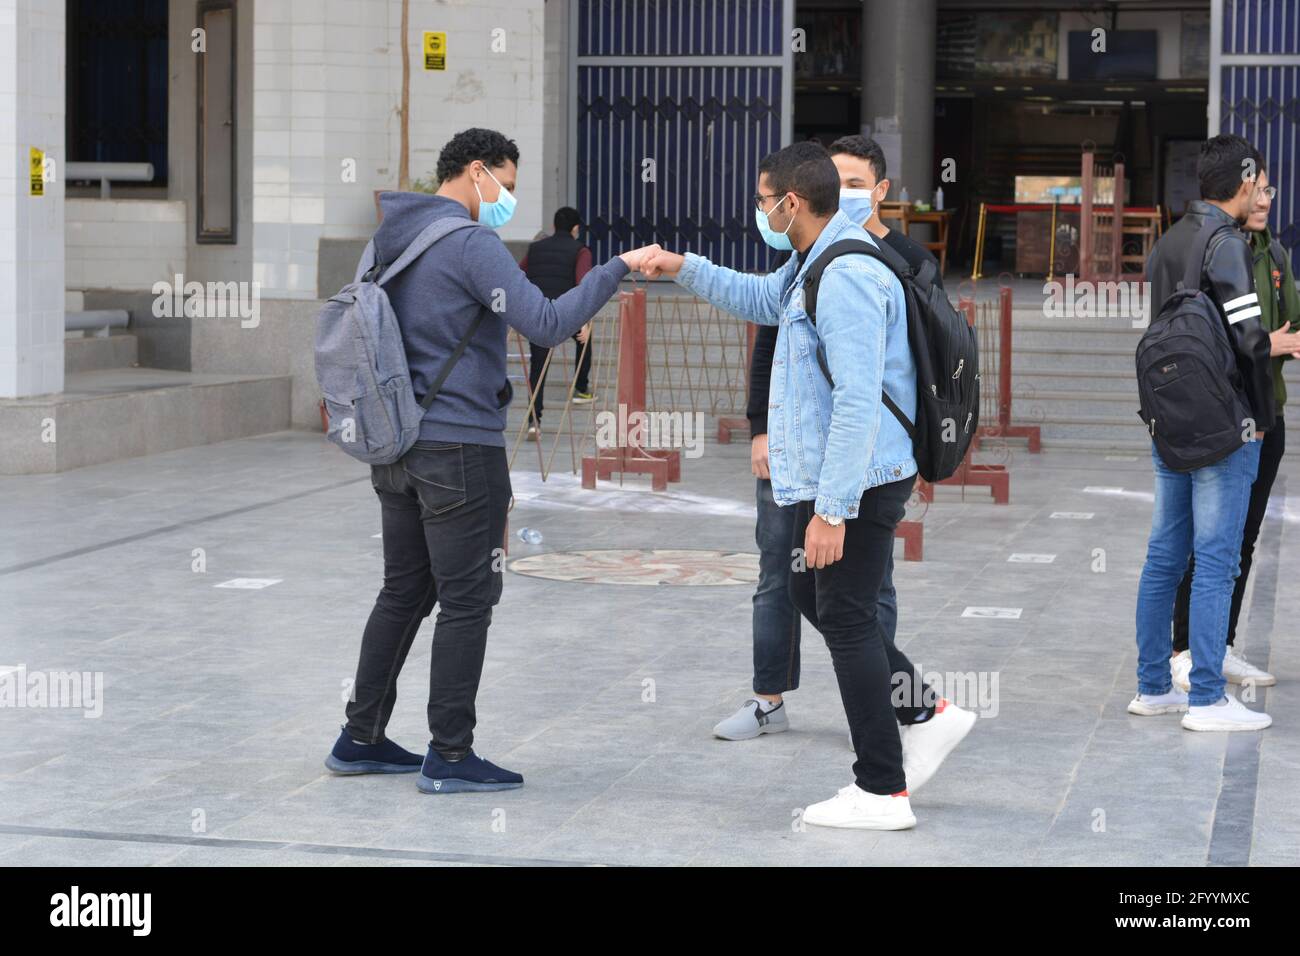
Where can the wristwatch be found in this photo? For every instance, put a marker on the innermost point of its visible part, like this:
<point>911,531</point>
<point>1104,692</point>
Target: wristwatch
<point>834,521</point>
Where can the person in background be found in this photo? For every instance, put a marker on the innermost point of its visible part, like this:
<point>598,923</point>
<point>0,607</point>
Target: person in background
<point>555,264</point>
<point>861,163</point>
<point>1203,511</point>
<point>1279,312</point>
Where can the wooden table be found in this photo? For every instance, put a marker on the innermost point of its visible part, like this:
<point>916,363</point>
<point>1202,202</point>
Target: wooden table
<point>940,219</point>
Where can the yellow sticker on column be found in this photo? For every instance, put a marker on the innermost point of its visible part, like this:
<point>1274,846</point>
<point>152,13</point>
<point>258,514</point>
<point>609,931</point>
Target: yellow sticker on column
<point>435,50</point>
<point>37,176</point>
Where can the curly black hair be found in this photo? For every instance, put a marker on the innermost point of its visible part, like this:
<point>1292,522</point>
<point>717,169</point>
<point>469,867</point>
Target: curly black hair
<point>487,145</point>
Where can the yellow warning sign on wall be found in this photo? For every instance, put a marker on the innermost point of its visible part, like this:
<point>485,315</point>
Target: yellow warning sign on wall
<point>435,50</point>
<point>37,176</point>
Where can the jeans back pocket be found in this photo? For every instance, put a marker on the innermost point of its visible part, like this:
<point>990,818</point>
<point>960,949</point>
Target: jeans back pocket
<point>437,473</point>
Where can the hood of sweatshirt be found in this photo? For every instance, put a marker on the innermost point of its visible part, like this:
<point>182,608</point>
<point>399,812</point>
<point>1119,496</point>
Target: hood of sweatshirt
<point>405,215</point>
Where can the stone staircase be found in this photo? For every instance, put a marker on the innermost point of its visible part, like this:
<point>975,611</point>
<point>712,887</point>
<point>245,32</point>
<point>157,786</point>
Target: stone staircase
<point>1076,381</point>
<point>111,408</point>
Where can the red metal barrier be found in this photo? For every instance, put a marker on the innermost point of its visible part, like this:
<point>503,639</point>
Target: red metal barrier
<point>629,456</point>
<point>1003,428</point>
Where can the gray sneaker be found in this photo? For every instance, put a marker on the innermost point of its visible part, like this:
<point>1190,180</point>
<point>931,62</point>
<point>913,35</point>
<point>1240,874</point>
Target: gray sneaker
<point>749,722</point>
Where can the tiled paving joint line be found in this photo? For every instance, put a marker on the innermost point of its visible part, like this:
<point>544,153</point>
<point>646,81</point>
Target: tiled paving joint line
<point>168,529</point>
<point>1234,812</point>
<point>326,849</point>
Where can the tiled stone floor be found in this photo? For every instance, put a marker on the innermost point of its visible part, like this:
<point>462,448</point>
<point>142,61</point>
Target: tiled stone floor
<point>219,704</point>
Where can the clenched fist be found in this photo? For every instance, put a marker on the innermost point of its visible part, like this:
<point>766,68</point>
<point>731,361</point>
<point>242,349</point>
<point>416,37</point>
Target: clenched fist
<point>663,263</point>
<point>635,258</point>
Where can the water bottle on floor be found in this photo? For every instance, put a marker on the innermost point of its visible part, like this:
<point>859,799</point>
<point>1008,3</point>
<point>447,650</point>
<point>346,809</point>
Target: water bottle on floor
<point>530,536</point>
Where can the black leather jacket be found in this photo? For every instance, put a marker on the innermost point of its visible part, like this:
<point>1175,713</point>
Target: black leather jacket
<point>1228,276</point>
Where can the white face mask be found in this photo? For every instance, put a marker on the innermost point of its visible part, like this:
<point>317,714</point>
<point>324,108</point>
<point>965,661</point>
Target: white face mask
<point>857,204</point>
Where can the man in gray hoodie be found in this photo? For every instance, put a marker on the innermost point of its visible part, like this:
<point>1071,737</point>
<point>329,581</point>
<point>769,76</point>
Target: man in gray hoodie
<point>444,503</point>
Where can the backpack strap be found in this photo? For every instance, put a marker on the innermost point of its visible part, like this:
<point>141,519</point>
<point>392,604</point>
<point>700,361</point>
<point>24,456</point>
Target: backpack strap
<point>1278,252</point>
<point>370,269</point>
<point>812,281</point>
<point>427,237</point>
<point>1196,259</point>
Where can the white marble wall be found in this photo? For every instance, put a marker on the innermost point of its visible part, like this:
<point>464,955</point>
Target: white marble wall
<point>326,84</point>
<point>124,243</point>
<point>31,228</point>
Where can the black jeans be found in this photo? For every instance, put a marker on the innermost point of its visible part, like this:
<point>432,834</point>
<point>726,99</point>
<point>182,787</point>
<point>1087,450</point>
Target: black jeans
<point>537,378</point>
<point>444,523</point>
<point>841,601</point>
<point>1270,459</point>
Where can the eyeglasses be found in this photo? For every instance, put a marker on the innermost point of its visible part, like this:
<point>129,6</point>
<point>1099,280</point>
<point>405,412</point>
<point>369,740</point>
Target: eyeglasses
<point>1270,192</point>
<point>759,197</point>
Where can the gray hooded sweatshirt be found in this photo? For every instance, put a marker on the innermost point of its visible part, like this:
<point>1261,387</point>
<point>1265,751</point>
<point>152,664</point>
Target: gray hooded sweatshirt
<point>437,297</point>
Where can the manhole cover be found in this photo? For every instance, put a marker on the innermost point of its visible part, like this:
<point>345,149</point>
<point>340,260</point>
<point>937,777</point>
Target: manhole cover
<point>684,568</point>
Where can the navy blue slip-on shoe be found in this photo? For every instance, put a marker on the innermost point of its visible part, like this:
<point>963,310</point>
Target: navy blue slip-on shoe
<point>471,774</point>
<point>348,756</point>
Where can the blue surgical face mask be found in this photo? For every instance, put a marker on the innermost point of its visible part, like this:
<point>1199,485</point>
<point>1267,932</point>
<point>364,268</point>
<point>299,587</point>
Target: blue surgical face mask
<point>857,204</point>
<point>495,214</point>
<point>777,240</point>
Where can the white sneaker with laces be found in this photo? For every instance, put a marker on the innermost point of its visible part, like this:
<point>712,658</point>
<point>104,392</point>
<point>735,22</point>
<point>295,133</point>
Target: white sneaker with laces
<point>926,745</point>
<point>1180,667</point>
<point>852,808</point>
<point>1238,670</point>
<point>1228,714</point>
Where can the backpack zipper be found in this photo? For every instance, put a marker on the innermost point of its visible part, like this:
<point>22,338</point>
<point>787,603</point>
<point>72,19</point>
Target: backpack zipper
<point>960,364</point>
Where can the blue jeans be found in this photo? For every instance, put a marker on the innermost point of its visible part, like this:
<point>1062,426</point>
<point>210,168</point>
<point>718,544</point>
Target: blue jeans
<point>776,622</point>
<point>1201,512</point>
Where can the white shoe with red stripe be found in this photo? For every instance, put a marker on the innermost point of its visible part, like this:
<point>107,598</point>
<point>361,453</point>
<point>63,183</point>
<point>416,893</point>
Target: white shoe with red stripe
<point>855,809</point>
<point>925,746</point>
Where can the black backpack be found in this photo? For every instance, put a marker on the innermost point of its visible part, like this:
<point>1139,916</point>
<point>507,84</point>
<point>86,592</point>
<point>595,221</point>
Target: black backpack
<point>944,348</point>
<point>1190,390</point>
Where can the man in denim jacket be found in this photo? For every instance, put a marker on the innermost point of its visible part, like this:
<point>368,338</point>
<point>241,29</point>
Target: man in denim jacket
<point>839,458</point>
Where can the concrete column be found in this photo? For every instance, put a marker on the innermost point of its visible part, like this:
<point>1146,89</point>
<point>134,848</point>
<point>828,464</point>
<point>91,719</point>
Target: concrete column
<point>31,226</point>
<point>898,40</point>
<point>556,103</point>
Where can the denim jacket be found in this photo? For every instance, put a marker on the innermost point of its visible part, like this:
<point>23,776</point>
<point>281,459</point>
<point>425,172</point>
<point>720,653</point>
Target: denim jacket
<point>826,444</point>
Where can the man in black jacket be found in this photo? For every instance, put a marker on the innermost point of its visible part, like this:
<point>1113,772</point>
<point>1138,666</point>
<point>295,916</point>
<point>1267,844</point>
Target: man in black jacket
<point>1202,512</point>
<point>555,265</point>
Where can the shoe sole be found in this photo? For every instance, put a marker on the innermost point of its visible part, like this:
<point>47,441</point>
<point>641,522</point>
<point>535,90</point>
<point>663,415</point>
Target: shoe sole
<point>902,823</point>
<point>1257,681</point>
<point>765,729</point>
<point>1221,726</point>
<point>454,785</point>
<point>943,755</point>
<point>1145,710</point>
<point>583,401</point>
<point>349,768</point>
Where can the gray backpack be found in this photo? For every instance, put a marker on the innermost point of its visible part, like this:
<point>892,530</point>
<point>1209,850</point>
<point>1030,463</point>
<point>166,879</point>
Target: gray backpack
<point>361,360</point>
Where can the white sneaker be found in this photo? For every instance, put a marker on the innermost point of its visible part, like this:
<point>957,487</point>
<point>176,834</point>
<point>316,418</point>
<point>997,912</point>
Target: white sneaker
<point>1180,667</point>
<point>926,745</point>
<point>1228,714</point>
<point>1153,705</point>
<point>1238,670</point>
<point>855,809</point>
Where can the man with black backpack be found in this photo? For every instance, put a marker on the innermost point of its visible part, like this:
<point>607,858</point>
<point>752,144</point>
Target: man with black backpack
<point>840,450</point>
<point>1280,312</point>
<point>1207,399</point>
<point>776,625</point>
<point>444,498</point>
